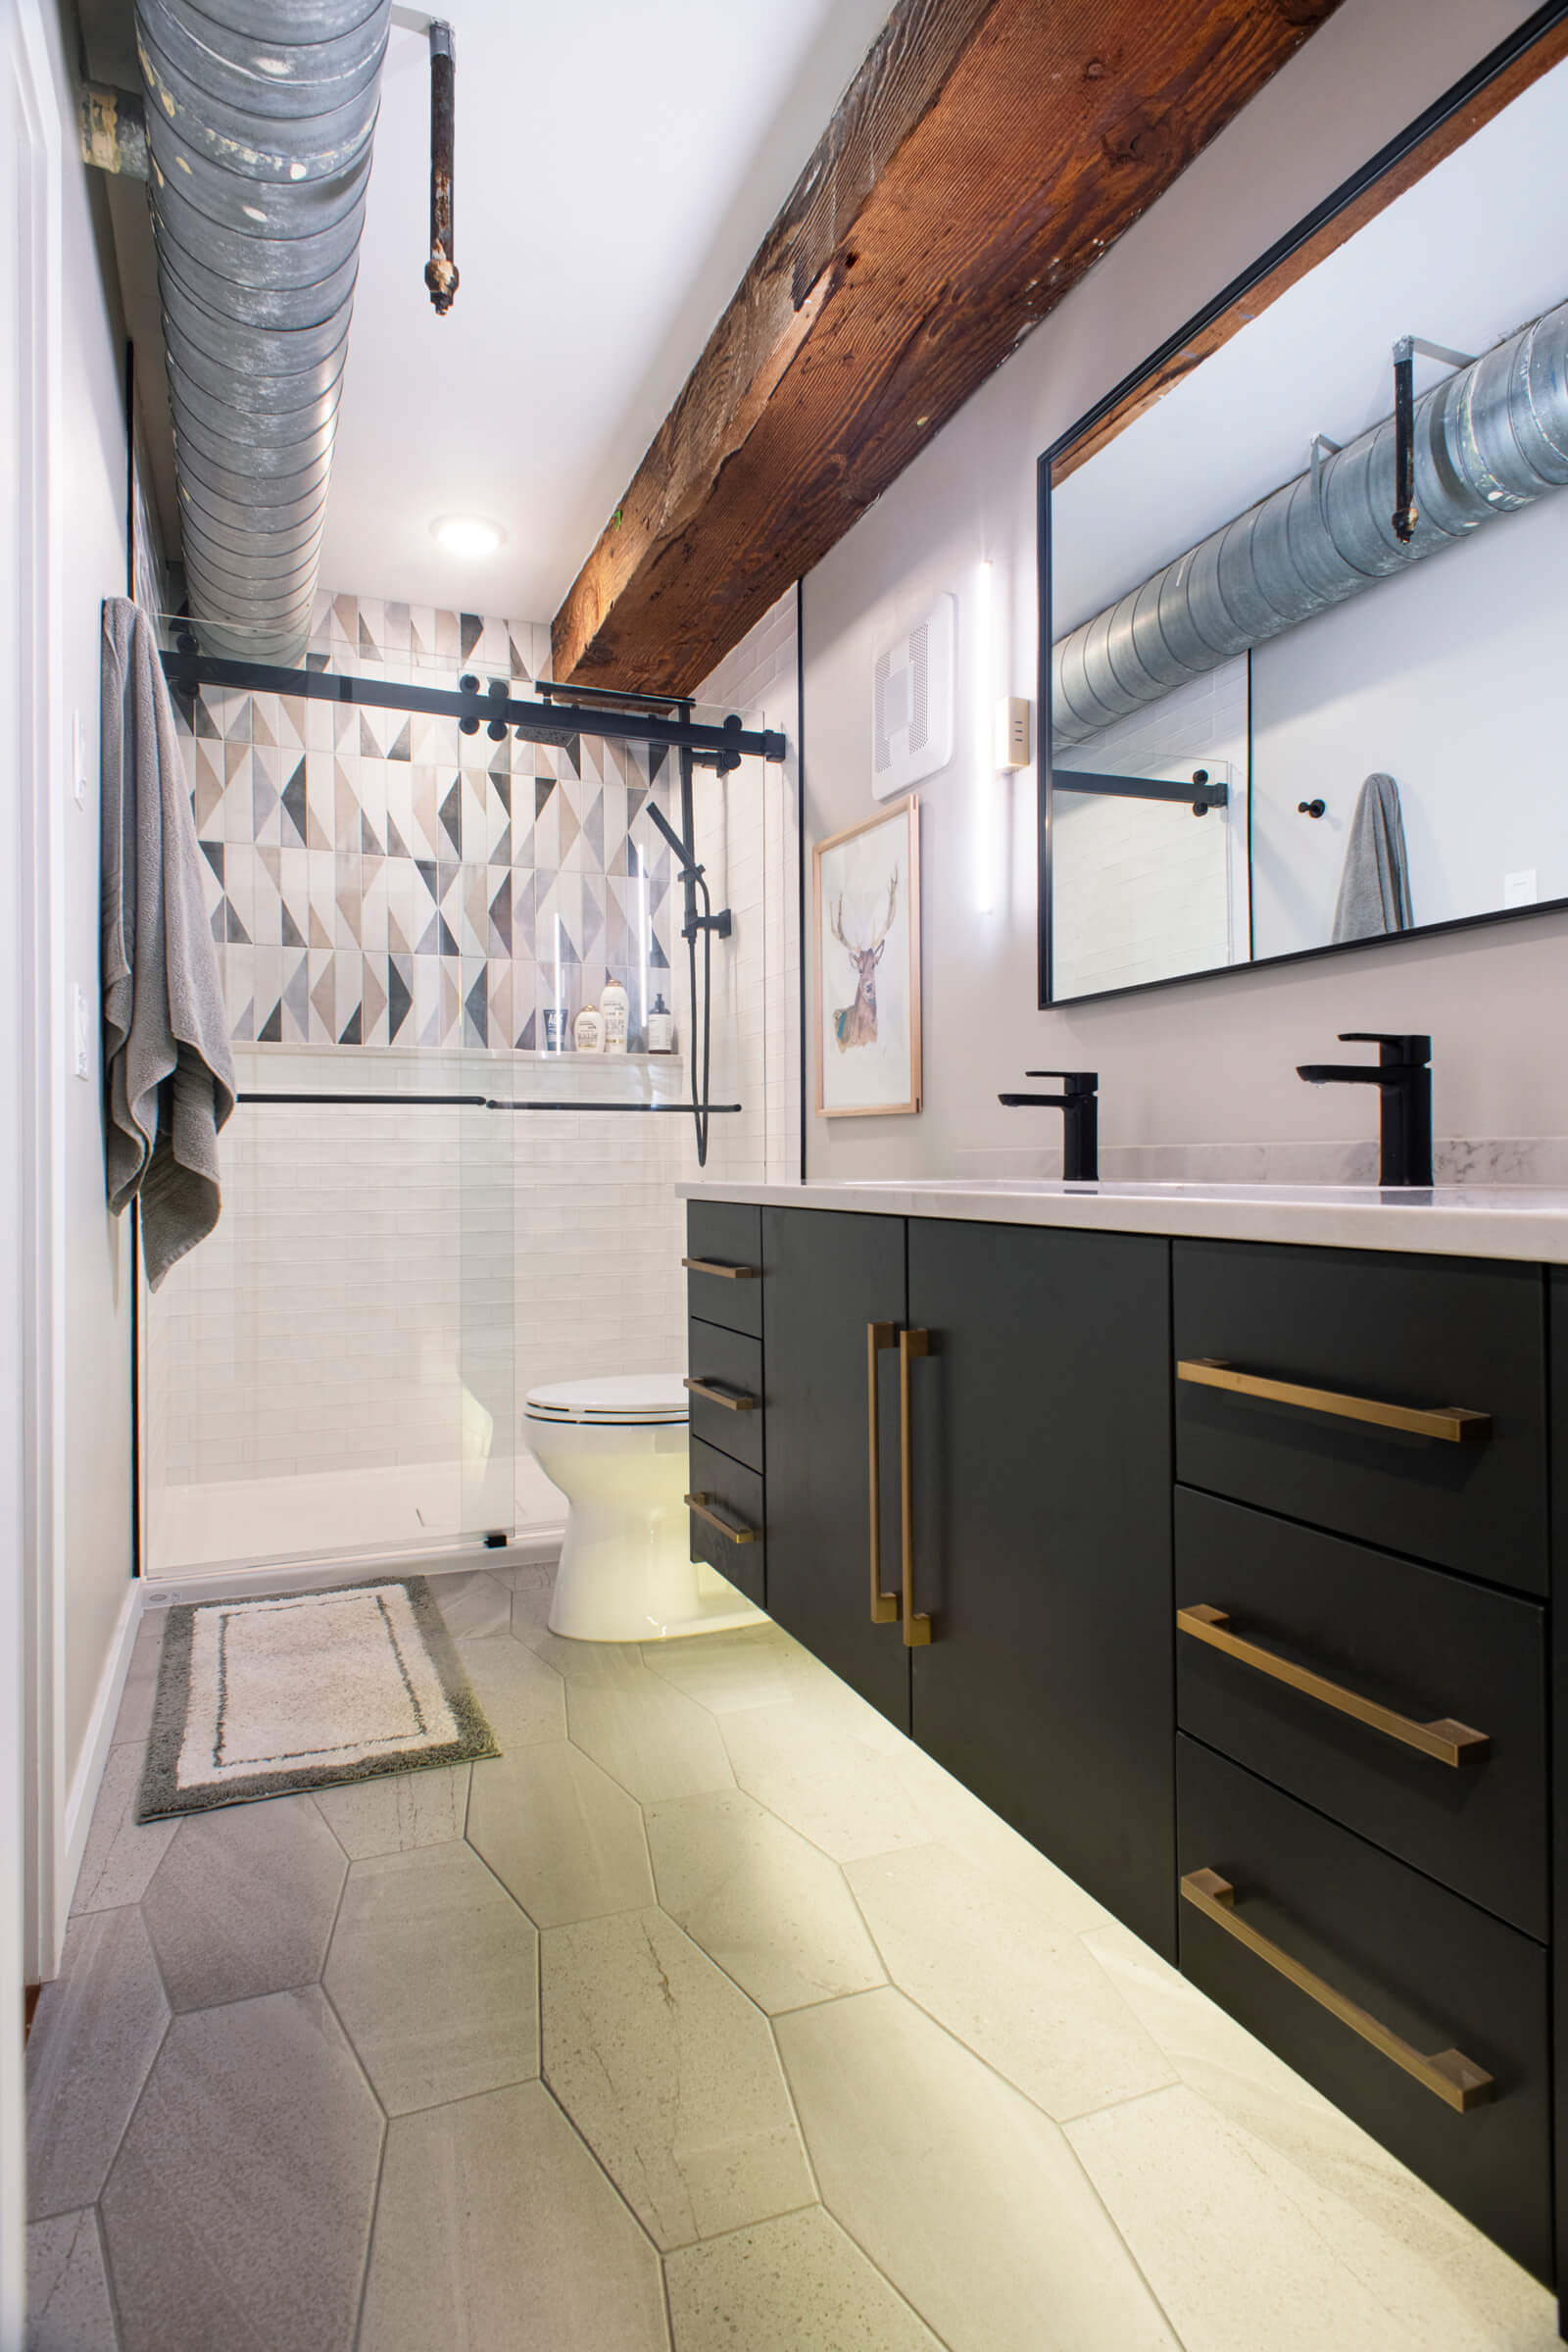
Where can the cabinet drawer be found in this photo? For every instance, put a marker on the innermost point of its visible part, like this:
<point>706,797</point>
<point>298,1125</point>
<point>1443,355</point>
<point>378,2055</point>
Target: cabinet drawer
<point>729,1530</point>
<point>1430,1648</point>
<point>1366,1331</point>
<point>726,1234</point>
<point>731,1365</point>
<point>1427,1967</point>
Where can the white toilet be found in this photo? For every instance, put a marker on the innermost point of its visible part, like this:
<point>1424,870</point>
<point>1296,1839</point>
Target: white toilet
<point>616,1448</point>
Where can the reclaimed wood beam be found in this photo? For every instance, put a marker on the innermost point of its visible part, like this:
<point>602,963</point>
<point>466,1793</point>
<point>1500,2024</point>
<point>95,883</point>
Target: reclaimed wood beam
<point>983,159</point>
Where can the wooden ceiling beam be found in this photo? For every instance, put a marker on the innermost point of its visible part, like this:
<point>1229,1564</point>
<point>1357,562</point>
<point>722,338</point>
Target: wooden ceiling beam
<point>983,159</point>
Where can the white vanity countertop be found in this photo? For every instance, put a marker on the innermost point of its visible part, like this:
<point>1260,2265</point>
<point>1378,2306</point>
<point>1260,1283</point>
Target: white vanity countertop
<point>1451,1221</point>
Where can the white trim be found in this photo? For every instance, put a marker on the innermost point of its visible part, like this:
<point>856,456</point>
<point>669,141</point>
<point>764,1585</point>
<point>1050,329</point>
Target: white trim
<point>99,1740</point>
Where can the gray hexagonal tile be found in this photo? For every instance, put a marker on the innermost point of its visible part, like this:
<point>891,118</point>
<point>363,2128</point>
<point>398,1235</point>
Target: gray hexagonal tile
<point>239,2211</point>
<point>772,1909</point>
<point>397,1811</point>
<point>67,2293</point>
<point>648,1735</point>
<point>121,1853</point>
<point>560,1834</point>
<point>670,2074</point>
<point>791,2282</point>
<point>243,1901</point>
<point>434,1973</point>
<point>472,1603</point>
<point>94,2037</point>
<point>524,1698</point>
<point>496,2228</point>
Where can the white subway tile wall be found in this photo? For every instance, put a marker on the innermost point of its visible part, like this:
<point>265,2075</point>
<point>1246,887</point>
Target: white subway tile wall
<point>386,1282</point>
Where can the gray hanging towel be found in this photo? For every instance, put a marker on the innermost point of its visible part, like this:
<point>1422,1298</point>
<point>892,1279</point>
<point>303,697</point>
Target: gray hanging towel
<point>169,1075</point>
<point>1375,886</point>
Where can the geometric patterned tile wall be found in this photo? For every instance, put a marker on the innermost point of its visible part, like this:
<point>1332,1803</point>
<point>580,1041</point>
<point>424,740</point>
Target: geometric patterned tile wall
<point>376,878</point>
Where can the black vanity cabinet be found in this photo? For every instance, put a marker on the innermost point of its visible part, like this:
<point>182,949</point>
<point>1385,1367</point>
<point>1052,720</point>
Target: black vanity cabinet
<point>1232,1575</point>
<point>1040,1465</point>
<point>831,1278</point>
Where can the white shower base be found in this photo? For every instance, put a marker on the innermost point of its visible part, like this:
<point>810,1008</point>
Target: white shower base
<point>246,1522</point>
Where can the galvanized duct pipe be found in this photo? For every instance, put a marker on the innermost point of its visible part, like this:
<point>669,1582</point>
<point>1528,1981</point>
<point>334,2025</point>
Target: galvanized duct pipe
<point>1489,439</point>
<point>259,119</point>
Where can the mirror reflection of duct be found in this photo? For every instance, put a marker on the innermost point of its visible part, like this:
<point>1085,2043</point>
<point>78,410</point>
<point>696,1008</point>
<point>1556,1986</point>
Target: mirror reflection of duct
<point>1490,439</point>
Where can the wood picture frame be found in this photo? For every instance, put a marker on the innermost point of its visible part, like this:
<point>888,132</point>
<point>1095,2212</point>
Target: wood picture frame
<point>868,1048</point>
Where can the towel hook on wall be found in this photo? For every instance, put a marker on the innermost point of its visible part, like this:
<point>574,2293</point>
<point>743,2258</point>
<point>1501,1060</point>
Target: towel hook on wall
<point>1310,807</point>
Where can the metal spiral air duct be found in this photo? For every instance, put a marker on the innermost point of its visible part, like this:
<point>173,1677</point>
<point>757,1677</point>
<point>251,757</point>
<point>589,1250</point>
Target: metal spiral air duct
<point>1489,439</point>
<point>259,120</point>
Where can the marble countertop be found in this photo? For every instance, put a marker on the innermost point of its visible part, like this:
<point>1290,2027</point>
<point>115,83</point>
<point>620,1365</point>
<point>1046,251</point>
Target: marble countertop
<point>1450,1220</point>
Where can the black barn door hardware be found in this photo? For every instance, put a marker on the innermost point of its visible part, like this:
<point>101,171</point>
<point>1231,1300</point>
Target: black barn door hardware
<point>1200,796</point>
<point>1406,512</point>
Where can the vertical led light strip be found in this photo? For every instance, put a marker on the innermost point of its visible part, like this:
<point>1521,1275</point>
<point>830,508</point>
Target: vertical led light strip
<point>986,812</point>
<point>561,1002</point>
<point>642,942</point>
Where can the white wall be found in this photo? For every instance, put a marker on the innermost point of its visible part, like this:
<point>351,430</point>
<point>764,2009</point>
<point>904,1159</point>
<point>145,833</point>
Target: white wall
<point>1447,677</point>
<point>90,539</point>
<point>1207,1059</point>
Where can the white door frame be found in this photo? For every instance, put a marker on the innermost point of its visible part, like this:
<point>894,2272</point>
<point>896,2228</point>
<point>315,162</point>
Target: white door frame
<point>31,1099</point>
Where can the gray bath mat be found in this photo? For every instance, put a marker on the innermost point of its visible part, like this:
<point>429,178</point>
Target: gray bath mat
<point>265,1696</point>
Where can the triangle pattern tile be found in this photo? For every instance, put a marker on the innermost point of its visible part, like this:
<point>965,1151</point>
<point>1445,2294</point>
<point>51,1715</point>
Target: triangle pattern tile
<point>297,1005</point>
<point>398,995</point>
<point>293,798</point>
<point>451,813</point>
<point>499,931</point>
<point>476,1013</point>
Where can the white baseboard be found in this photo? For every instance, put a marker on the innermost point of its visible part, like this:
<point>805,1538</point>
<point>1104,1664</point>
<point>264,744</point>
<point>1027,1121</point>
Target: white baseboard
<point>83,1793</point>
<point>540,1545</point>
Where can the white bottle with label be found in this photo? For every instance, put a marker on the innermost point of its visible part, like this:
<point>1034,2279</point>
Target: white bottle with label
<point>588,1031</point>
<point>615,1009</point>
<point>661,1028</point>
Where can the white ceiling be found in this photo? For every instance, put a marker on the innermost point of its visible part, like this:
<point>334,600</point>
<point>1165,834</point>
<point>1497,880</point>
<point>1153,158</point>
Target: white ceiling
<point>618,164</point>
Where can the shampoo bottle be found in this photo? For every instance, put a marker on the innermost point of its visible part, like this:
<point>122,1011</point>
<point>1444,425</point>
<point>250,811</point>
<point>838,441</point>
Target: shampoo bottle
<point>614,1009</point>
<point>661,1028</point>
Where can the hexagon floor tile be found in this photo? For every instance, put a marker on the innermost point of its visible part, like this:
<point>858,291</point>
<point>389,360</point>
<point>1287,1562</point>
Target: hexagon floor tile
<point>670,2074</point>
<point>434,1972</point>
<point>243,1901</point>
<point>560,1834</point>
<point>95,2035</point>
<point>496,2228</point>
<point>239,2211</point>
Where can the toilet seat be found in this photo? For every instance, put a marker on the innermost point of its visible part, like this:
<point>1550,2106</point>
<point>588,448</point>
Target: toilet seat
<point>618,1400</point>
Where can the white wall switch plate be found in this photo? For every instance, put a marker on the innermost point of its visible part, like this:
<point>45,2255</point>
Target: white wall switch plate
<point>1519,890</point>
<point>1013,731</point>
<point>911,701</point>
<point>81,1034</point>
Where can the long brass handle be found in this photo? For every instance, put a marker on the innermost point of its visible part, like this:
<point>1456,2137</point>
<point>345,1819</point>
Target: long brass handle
<point>738,1403</point>
<point>711,1265</point>
<point>1452,1422</point>
<point>1449,1741</point>
<point>916,1624</point>
<point>878,1336</point>
<point>700,1504</point>
<point>1448,2073</point>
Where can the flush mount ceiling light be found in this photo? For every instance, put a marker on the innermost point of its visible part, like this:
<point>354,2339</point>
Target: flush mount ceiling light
<point>467,535</point>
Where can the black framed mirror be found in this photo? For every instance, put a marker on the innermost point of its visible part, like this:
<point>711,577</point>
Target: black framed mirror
<point>1304,576</point>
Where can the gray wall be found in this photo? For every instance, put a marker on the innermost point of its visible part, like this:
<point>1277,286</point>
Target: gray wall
<point>1205,1061</point>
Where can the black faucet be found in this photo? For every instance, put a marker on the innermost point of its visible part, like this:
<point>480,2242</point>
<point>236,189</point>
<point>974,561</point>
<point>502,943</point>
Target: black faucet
<point>1403,1074</point>
<point>1079,1105</point>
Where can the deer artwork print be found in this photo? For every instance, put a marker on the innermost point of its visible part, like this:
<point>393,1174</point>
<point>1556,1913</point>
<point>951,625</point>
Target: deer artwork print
<point>856,1024</point>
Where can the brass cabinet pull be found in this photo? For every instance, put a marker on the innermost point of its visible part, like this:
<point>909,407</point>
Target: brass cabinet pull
<point>1451,2077</point>
<point>736,1404</point>
<point>916,1625</point>
<point>731,1528</point>
<point>1453,1422</point>
<point>884,1605</point>
<point>711,1265</point>
<point>1449,1741</point>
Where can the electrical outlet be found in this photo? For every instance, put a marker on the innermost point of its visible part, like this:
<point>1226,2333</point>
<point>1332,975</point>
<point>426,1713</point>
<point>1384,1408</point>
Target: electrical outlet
<point>1519,890</point>
<point>81,1034</point>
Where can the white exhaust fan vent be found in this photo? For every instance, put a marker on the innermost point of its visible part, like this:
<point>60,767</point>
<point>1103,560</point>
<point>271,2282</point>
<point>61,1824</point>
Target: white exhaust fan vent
<point>912,702</point>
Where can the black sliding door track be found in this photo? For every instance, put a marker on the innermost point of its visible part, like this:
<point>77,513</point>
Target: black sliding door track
<point>546,722</point>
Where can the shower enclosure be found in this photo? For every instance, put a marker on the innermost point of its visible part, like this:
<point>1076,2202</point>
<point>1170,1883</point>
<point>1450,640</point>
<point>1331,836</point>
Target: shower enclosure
<point>431,1202</point>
